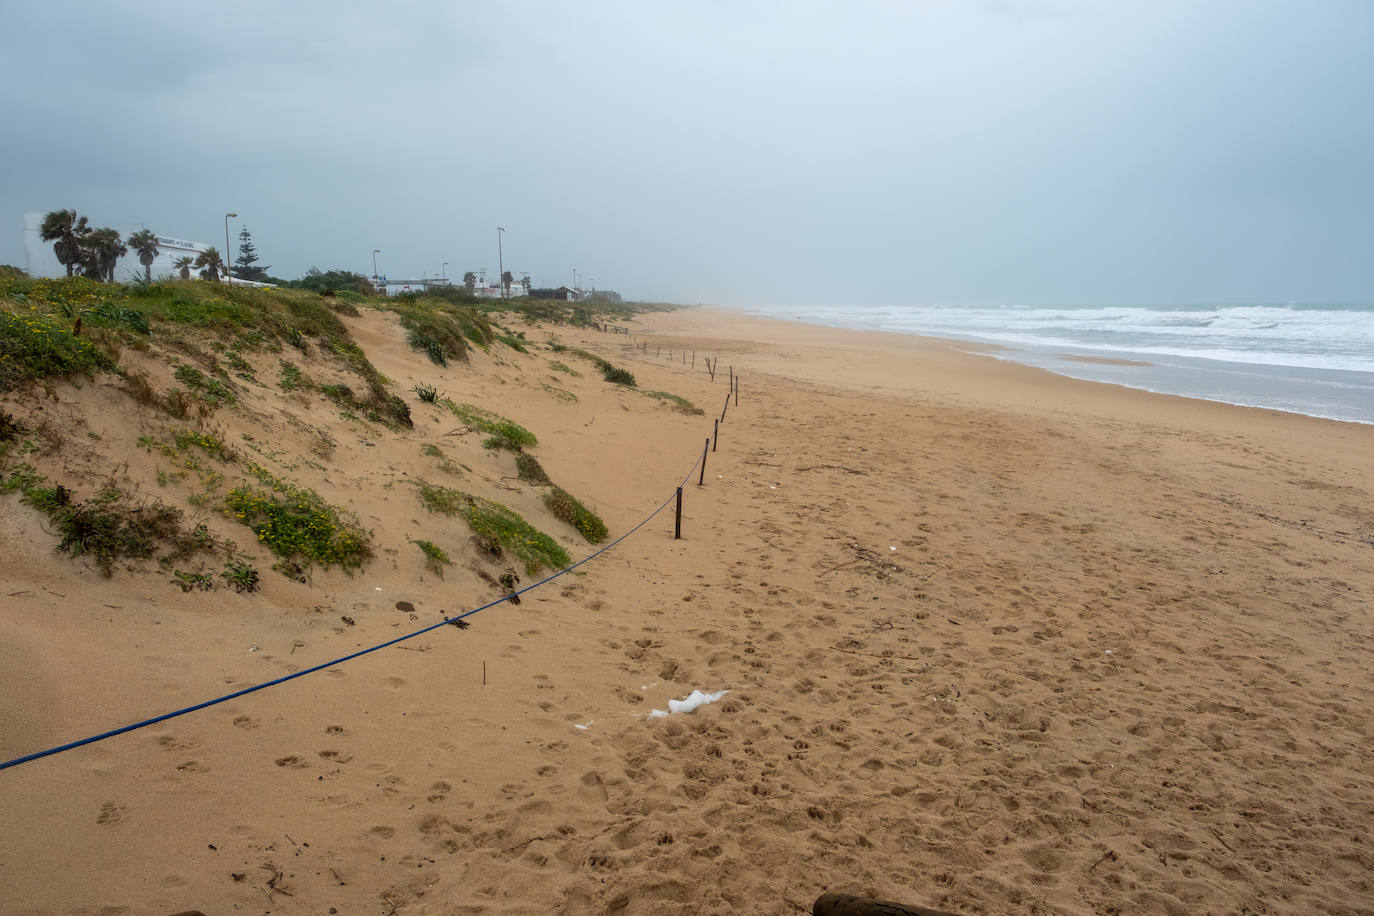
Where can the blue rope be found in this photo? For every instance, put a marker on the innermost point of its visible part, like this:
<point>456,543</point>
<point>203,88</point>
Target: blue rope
<point>37,755</point>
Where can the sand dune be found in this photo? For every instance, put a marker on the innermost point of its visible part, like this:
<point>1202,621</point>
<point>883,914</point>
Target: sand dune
<point>995,641</point>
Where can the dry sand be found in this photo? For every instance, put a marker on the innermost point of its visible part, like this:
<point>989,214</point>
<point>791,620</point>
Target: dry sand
<point>996,642</point>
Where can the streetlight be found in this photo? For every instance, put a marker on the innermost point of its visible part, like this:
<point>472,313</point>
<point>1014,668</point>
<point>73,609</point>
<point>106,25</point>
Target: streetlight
<point>226,241</point>
<point>375,252</point>
<point>443,274</point>
<point>500,262</point>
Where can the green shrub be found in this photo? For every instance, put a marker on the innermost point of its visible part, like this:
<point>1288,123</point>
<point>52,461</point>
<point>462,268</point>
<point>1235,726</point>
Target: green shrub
<point>210,444</point>
<point>508,433</point>
<point>240,575</point>
<point>618,376</point>
<point>498,526</point>
<point>290,377</point>
<point>566,507</point>
<point>435,557</point>
<point>680,404</point>
<point>10,428</point>
<point>206,388</point>
<point>37,345</point>
<point>419,340</point>
<point>296,524</point>
<point>529,468</point>
<point>104,527</point>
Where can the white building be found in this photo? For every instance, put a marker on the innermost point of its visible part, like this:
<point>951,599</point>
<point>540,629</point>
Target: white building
<point>390,287</point>
<point>41,260</point>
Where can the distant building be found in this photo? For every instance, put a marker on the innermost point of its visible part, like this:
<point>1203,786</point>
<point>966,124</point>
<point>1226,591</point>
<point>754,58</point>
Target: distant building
<point>41,260</point>
<point>563,293</point>
<point>391,287</point>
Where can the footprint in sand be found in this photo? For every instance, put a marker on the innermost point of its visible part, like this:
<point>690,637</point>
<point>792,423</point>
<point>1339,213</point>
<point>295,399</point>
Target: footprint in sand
<point>245,722</point>
<point>111,813</point>
<point>336,730</point>
<point>336,756</point>
<point>292,762</point>
<point>384,832</point>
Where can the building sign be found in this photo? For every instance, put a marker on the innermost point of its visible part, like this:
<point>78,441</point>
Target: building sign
<point>168,242</point>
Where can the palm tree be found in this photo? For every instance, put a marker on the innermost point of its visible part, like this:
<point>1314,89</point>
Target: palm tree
<point>66,230</point>
<point>182,266</point>
<point>469,280</point>
<point>209,263</point>
<point>525,282</point>
<point>505,283</point>
<point>100,251</point>
<point>145,243</point>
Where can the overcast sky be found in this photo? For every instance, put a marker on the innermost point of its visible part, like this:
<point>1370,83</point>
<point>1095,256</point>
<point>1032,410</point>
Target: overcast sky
<point>928,151</point>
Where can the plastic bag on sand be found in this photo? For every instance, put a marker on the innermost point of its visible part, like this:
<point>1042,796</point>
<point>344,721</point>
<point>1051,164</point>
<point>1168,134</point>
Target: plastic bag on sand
<point>687,704</point>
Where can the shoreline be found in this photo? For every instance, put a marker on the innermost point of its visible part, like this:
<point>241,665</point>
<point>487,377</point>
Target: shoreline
<point>1343,395</point>
<point>1122,372</point>
<point>991,636</point>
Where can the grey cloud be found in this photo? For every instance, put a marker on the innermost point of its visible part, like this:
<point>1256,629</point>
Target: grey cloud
<point>1012,151</point>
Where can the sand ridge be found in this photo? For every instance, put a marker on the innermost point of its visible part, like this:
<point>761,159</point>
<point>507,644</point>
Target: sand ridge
<point>995,641</point>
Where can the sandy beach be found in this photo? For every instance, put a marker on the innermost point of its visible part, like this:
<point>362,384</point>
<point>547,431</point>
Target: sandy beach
<point>994,641</point>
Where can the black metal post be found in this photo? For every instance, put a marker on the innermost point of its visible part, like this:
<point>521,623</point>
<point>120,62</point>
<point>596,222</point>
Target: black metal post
<point>737,391</point>
<point>702,481</point>
<point>677,528</point>
<point>716,440</point>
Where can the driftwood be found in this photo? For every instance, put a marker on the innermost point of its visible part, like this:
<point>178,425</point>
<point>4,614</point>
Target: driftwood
<point>846,905</point>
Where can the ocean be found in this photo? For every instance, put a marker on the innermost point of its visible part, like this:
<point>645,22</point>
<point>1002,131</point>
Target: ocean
<point>1316,360</point>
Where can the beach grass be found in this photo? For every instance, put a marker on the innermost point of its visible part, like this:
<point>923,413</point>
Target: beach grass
<point>498,525</point>
<point>297,525</point>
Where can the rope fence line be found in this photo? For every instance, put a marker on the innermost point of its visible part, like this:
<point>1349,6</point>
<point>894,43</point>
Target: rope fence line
<point>448,621</point>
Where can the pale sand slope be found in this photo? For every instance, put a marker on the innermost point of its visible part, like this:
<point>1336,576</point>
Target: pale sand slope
<point>1117,662</point>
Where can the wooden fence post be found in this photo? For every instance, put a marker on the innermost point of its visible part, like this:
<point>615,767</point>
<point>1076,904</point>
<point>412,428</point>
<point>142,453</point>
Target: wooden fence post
<point>716,440</point>
<point>677,527</point>
<point>737,391</point>
<point>702,481</point>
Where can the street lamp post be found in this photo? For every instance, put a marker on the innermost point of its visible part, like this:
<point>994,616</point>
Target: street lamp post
<point>500,262</point>
<point>226,263</point>
<point>375,252</point>
<point>443,274</point>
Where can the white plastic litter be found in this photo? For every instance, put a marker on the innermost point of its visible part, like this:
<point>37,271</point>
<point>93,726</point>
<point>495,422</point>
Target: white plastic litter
<point>688,703</point>
<point>585,725</point>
